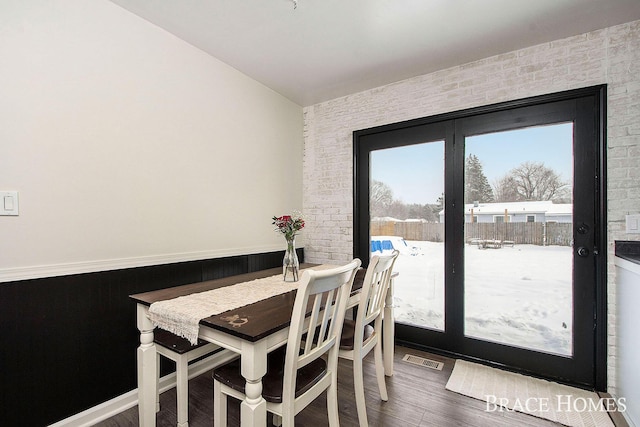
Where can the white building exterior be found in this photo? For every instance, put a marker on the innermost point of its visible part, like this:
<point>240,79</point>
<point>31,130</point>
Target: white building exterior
<point>539,211</point>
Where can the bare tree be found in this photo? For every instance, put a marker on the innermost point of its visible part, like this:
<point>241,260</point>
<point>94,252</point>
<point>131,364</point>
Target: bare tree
<point>380,198</point>
<point>418,211</point>
<point>398,210</point>
<point>382,204</point>
<point>531,181</point>
<point>505,189</point>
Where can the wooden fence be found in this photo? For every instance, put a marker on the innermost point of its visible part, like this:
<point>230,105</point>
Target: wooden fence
<point>520,233</point>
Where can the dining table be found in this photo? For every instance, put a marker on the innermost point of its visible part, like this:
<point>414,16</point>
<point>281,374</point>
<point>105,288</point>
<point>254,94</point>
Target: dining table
<point>251,330</point>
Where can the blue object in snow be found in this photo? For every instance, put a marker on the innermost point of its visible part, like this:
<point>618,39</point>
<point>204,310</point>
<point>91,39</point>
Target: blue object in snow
<point>381,245</point>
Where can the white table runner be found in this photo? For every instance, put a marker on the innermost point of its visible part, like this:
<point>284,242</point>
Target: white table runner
<point>182,315</point>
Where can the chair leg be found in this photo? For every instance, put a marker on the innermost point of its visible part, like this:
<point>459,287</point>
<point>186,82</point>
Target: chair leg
<point>157,382</point>
<point>219,406</point>
<point>182,390</point>
<point>277,420</point>
<point>358,385</point>
<point>289,421</point>
<point>379,360</point>
<point>332,401</point>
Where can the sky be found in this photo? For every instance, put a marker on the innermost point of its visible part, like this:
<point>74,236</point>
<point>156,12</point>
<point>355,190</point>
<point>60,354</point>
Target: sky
<point>416,173</point>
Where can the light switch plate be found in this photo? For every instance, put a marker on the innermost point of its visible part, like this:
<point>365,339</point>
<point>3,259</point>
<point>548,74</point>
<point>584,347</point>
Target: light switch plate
<point>9,203</point>
<point>632,223</point>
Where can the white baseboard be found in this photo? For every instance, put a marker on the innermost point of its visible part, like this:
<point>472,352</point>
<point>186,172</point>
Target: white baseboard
<point>128,400</point>
<point>55,270</point>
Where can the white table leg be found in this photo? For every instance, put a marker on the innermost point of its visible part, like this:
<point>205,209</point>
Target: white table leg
<point>147,370</point>
<point>388,329</point>
<point>182,390</point>
<point>253,410</point>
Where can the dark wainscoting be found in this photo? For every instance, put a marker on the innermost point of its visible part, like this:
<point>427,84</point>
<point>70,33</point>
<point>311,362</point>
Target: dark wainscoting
<point>69,343</point>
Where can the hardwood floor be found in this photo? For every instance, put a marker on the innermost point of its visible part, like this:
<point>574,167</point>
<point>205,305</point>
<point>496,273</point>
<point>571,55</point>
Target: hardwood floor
<point>417,397</point>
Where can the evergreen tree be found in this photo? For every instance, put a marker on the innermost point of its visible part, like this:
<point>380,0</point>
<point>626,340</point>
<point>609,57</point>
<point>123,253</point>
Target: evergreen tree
<point>437,207</point>
<point>476,184</point>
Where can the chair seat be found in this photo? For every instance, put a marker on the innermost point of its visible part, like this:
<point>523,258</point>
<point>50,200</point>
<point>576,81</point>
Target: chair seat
<point>272,386</point>
<point>348,333</point>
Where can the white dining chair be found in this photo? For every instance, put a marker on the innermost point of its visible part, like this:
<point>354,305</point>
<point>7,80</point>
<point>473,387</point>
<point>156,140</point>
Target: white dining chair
<point>182,352</point>
<point>363,334</point>
<point>298,373</point>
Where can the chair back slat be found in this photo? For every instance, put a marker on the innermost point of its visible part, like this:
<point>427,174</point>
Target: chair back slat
<point>313,320</point>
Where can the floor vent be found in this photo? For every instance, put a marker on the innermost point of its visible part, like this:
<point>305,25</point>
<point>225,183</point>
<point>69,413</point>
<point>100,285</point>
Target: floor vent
<point>421,361</point>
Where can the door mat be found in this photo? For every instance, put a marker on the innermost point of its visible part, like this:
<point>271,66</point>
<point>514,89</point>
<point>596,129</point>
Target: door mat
<point>507,391</point>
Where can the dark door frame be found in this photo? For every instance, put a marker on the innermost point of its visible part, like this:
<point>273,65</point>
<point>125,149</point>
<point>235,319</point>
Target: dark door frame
<point>589,101</point>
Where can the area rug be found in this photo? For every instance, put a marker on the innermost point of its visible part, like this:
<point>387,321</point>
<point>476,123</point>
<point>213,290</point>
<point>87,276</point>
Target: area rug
<point>506,391</point>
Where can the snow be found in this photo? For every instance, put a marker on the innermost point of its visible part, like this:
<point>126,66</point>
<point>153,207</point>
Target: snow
<point>520,296</point>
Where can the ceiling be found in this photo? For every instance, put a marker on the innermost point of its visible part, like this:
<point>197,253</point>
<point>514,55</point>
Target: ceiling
<point>324,49</point>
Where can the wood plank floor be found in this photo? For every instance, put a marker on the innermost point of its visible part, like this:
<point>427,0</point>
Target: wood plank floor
<point>417,397</point>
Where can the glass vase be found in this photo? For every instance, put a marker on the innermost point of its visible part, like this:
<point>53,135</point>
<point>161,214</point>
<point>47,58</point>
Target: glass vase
<point>290,263</point>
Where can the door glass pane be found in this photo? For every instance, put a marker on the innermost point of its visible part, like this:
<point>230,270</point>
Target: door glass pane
<point>406,213</point>
<point>518,236</point>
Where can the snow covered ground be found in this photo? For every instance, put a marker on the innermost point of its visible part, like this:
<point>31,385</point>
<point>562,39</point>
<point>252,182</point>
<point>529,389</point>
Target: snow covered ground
<point>521,295</point>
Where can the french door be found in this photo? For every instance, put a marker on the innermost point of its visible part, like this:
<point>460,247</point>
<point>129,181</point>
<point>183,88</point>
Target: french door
<point>499,215</point>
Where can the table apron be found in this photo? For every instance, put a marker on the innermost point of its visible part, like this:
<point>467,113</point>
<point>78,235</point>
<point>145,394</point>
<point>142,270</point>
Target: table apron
<point>237,344</point>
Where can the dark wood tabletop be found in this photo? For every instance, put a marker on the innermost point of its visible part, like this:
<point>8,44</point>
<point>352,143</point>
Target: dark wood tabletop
<point>252,322</point>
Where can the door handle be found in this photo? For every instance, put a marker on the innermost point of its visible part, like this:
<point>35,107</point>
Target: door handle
<point>583,228</point>
<point>582,251</point>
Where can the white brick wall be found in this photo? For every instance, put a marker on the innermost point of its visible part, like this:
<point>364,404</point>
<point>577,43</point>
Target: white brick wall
<point>610,56</point>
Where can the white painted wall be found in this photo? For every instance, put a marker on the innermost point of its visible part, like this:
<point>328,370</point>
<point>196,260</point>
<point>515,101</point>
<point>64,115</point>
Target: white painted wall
<point>129,146</point>
<point>610,56</point>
